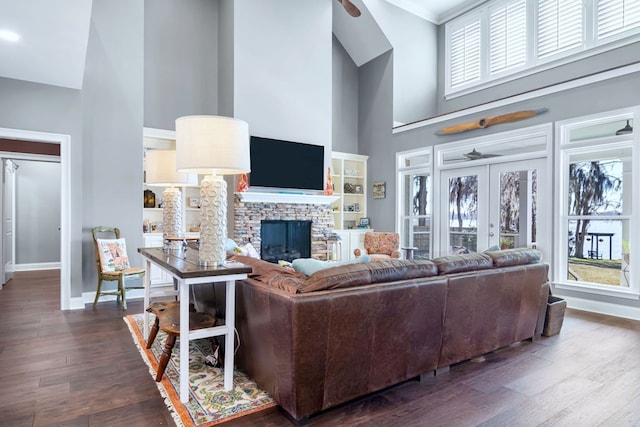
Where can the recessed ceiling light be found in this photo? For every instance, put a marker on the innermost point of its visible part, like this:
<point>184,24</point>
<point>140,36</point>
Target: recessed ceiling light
<point>9,35</point>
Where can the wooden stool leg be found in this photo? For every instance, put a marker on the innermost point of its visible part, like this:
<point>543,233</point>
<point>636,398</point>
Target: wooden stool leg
<point>153,332</point>
<point>166,355</point>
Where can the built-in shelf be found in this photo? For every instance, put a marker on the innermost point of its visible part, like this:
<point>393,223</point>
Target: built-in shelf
<point>265,197</point>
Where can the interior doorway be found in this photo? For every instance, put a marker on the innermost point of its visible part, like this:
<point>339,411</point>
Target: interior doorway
<point>63,142</point>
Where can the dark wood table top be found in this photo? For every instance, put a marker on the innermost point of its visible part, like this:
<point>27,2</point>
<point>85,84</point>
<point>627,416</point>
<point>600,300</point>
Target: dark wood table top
<point>184,263</point>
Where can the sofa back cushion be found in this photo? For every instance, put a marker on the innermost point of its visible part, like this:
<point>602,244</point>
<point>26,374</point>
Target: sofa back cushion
<point>358,274</point>
<point>520,256</point>
<point>272,274</point>
<point>460,263</point>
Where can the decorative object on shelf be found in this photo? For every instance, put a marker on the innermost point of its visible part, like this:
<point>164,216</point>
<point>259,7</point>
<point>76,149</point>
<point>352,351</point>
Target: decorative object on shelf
<point>349,188</point>
<point>379,190</point>
<point>490,121</point>
<point>328,191</point>
<point>243,183</point>
<point>356,207</point>
<point>357,189</point>
<point>194,202</point>
<point>364,223</point>
<point>149,199</point>
<point>216,146</point>
<point>161,171</point>
<point>334,247</point>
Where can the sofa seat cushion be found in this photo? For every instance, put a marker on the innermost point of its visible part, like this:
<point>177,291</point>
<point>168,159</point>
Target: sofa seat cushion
<point>273,275</point>
<point>364,273</point>
<point>511,257</point>
<point>460,263</point>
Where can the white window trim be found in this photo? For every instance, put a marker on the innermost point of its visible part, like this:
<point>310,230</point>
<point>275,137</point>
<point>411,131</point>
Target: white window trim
<point>590,47</point>
<point>564,148</point>
<point>400,195</point>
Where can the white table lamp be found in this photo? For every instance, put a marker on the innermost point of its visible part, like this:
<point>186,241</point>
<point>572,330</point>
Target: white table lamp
<point>160,166</point>
<point>212,146</point>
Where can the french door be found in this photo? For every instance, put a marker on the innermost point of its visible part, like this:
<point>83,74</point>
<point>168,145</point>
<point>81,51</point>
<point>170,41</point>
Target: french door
<point>493,205</point>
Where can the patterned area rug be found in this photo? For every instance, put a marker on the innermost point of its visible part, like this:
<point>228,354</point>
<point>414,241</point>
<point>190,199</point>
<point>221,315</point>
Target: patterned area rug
<point>209,404</point>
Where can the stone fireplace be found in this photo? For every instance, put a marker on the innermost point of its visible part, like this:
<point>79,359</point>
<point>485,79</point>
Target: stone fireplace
<point>250,209</point>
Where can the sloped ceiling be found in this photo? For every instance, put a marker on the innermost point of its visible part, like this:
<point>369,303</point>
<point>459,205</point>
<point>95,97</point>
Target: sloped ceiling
<point>52,45</point>
<point>54,34</point>
<point>361,37</point>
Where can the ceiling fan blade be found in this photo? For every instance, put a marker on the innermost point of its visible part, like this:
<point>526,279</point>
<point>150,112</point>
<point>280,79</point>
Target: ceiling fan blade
<point>351,8</point>
<point>495,120</point>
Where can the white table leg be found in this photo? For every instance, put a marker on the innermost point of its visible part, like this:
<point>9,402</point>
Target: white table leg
<point>147,297</point>
<point>184,341</point>
<point>229,336</point>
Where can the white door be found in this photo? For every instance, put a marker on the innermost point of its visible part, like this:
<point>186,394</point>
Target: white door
<point>8,210</point>
<point>492,205</point>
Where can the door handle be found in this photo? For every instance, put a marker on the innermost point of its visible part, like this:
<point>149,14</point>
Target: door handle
<point>491,234</point>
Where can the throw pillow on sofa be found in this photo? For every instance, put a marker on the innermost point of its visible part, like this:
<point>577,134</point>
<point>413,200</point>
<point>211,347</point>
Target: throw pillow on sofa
<point>308,266</point>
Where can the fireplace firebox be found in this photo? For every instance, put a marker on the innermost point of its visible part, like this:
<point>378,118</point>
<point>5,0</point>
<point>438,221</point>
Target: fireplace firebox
<point>284,240</point>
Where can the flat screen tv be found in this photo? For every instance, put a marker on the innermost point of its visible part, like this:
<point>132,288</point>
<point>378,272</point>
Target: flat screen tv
<point>285,164</point>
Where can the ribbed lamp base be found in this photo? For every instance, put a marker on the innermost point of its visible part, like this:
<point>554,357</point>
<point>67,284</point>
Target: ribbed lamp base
<point>213,221</point>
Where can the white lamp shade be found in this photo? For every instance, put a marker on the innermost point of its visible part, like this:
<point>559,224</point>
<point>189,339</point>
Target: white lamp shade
<point>212,144</point>
<point>160,166</point>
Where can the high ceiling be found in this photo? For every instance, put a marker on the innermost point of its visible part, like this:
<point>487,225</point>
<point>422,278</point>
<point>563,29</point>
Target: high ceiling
<point>53,36</point>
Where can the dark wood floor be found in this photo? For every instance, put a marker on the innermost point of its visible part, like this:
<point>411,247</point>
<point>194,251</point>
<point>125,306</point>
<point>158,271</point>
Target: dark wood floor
<point>81,368</point>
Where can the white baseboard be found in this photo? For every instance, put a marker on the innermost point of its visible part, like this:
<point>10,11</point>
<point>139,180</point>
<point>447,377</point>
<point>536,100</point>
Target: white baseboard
<point>37,266</point>
<point>76,303</point>
<point>600,307</point>
<point>88,297</point>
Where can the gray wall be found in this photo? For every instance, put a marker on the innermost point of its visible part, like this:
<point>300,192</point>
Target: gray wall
<point>344,132</point>
<point>113,121</point>
<point>375,118</point>
<point>180,60</point>
<point>282,69</point>
<point>415,66</point>
<point>37,217</point>
<point>38,107</point>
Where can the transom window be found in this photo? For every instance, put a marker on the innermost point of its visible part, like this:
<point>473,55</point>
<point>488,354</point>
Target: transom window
<point>505,37</point>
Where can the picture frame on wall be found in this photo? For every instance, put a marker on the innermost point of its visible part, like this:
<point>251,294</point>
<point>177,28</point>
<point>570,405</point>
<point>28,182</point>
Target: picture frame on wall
<point>379,190</point>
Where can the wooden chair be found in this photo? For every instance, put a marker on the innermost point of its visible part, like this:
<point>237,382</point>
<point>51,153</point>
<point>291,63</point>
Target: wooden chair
<point>168,321</point>
<point>113,263</point>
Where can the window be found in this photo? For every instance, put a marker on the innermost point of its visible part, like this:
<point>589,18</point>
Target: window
<point>596,217</point>
<point>505,37</point>
<point>415,201</point>
<point>465,53</point>
<point>559,26</point>
<point>617,16</point>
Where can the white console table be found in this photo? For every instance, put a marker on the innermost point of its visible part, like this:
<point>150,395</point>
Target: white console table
<point>184,268</point>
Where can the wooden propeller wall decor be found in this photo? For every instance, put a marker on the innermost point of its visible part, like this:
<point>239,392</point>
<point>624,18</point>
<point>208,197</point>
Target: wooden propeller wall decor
<point>490,121</point>
<point>351,8</point>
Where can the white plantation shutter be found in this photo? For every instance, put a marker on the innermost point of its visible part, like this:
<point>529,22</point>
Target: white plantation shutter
<point>507,36</point>
<point>464,44</point>
<point>560,25</point>
<point>617,16</point>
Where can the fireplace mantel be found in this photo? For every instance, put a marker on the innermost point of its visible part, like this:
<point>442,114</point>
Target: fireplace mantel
<point>285,197</point>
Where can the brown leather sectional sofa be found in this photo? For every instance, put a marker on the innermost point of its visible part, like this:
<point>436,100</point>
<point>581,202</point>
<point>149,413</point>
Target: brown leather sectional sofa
<point>315,342</point>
